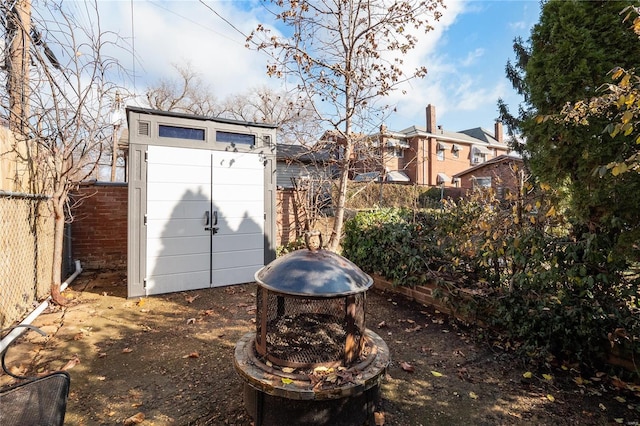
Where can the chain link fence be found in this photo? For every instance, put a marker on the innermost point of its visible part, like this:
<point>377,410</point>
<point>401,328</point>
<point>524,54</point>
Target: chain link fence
<point>26,244</point>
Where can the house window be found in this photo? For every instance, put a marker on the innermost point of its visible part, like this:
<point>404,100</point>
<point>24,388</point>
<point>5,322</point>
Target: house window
<point>440,154</point>
<point>235,138</point>
<point>455,151</point>
<point>479,157</point>
<point>165,131</point>
<point>481,182</point>
<point>395,152</point>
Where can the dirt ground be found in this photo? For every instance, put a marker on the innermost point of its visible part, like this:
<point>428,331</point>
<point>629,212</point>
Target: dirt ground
<point>171,358</point>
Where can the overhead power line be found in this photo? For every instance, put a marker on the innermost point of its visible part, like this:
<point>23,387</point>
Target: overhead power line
<point>224,19</point>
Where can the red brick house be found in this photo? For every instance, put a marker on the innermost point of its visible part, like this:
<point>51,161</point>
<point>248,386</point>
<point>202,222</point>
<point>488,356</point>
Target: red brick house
<point>428,155</point>
<point>501,173</point>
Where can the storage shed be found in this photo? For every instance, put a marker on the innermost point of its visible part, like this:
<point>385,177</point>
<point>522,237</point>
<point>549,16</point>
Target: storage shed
<point>201,201</point>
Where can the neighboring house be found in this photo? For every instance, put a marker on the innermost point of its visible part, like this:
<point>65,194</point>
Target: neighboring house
<point>502,173</point>
<point>428,155</point>
<point>301,163</point>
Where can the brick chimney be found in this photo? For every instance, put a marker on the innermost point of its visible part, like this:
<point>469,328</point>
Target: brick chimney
<point>431,119</point>
<point>498,131</point>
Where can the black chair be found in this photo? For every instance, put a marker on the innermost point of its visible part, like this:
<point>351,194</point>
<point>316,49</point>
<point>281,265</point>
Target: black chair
<point>35,401</point>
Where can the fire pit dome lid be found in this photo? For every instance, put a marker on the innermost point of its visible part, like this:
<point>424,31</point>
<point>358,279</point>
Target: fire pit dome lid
<point>314,273</point>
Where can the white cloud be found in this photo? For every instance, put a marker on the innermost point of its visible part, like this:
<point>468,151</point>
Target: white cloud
<point>174,32</point>
<point>472,56</point>
<point>166,32</point>
<point>518,26</point>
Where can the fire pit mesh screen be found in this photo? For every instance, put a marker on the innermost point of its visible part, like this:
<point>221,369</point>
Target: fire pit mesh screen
<point>304,330</point>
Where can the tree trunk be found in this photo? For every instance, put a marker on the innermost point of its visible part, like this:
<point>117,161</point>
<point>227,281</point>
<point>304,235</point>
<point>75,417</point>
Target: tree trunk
<point>58,243</point>
<point>336,232</point>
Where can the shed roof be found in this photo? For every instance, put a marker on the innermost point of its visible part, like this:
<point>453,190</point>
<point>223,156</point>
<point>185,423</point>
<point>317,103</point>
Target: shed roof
<point>198,117</point>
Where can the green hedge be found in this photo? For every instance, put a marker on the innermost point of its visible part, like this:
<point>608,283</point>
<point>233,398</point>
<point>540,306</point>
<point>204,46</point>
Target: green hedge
<point>395,243</point>
<point>552,295</point>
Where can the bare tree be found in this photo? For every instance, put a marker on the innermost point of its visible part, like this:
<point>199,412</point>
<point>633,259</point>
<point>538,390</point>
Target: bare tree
<point>66,96</point>
<point>345,55</point>
<point>291,111</point>
<point>187,94</point>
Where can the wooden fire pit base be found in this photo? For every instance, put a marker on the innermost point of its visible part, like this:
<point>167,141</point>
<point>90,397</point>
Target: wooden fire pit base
<point>274,397</point>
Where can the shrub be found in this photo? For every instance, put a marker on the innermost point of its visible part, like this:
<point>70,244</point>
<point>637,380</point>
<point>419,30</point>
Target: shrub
<point>551,293</point>
<point>394,243</point>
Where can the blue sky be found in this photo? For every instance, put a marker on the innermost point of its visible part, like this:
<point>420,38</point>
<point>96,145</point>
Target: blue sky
<point>465,55</point>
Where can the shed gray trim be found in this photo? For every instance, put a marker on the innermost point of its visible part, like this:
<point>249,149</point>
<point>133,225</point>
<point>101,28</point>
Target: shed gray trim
<point>143,126</point>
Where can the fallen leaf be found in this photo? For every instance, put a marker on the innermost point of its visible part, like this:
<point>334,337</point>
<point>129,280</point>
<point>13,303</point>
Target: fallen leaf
<point>473,395</point>
<point>288,370</point>
<point>615,381</point>
<point>191,321</point>
<point>528,375</point>
<point>102,354</point>
<point>286,381</point>
<point>551,398</point>
<point>407,367</point>
<point>127,350</point>
<point>620,399</point>
<point>618,420</point>
<point>382,324</point>
<point>141,302</point>
<point>192,355</point>
<point>135,419</point>
<point>378,418</point>
<point>547,377</point>
<point>71,363</point>
<point>190,299</point>
<point>602,407</point>
<point>436,374</point>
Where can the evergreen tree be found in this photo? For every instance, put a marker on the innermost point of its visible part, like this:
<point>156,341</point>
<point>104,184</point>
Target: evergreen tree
<point>568,58</point>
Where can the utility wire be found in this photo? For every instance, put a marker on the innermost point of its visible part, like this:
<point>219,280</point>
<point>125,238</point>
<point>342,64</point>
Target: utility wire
<point>224,19</point>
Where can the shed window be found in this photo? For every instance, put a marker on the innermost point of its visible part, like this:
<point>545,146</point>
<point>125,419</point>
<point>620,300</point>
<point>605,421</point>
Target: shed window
<point>165,131</point>
<point>235,138</point>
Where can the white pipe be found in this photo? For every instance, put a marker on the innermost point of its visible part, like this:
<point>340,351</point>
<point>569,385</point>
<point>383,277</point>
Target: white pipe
<point>9,338</point>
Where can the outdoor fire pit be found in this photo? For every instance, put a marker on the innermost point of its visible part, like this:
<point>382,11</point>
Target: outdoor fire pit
<point>311,360</point>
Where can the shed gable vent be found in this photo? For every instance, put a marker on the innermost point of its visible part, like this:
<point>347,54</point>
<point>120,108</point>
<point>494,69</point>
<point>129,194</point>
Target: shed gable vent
<point>143,128</point>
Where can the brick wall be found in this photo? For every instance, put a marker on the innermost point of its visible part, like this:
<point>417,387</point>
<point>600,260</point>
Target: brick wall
<point>503,174</point>
<point>289,220</point>
<point>99,228</point>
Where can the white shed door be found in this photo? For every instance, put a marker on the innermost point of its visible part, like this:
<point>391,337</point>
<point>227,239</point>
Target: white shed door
<point>205,218</point>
